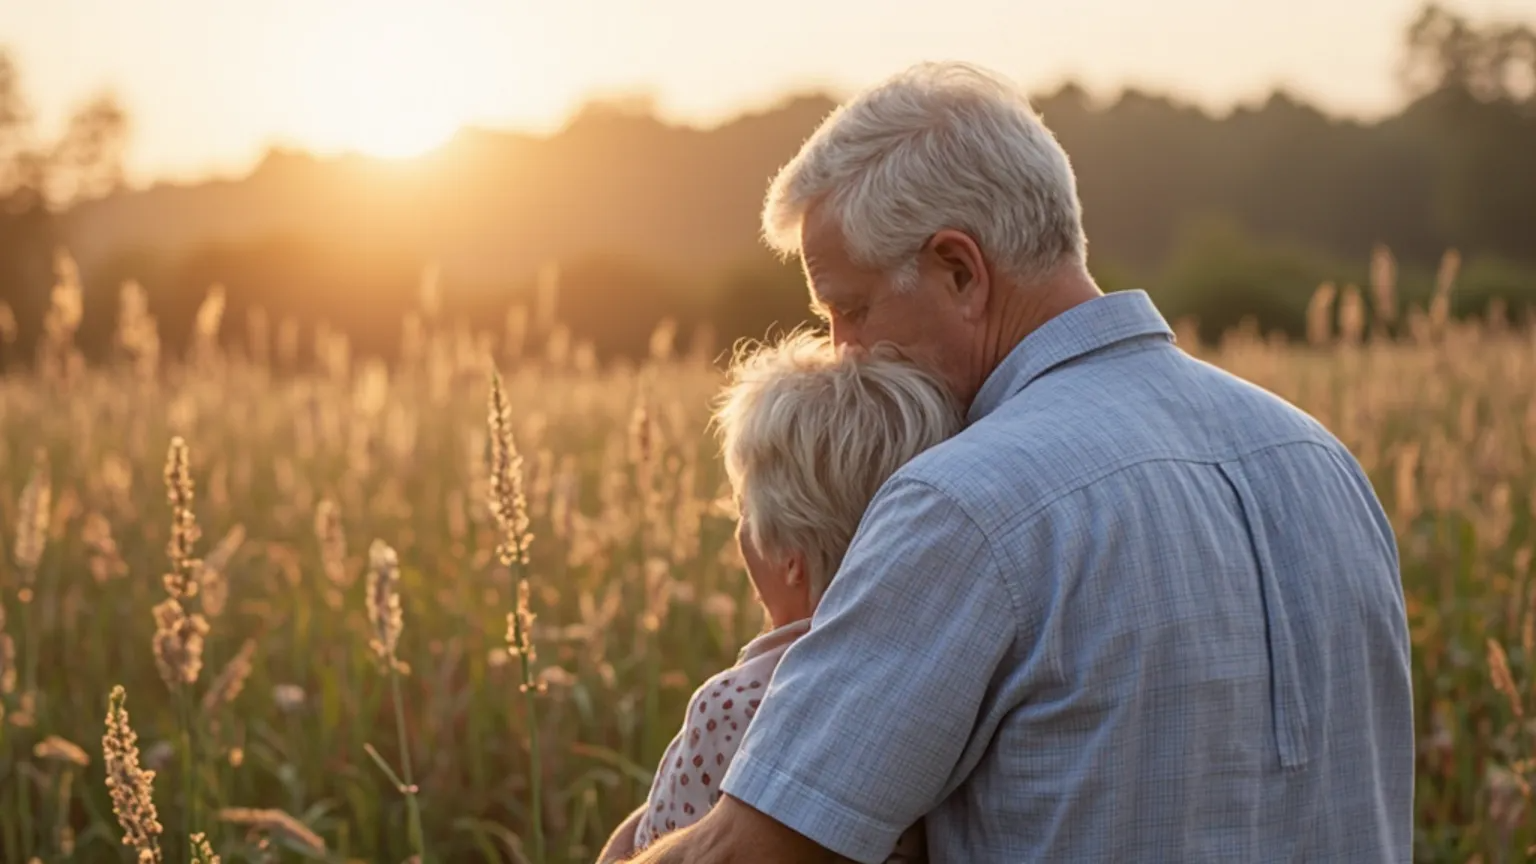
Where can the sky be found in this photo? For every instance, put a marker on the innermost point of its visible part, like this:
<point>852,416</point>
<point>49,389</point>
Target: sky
<point>212,84</point>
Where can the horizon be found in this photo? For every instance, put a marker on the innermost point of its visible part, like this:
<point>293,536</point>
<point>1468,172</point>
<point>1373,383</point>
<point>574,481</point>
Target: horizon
<point>396,79</point>
<point>652,113</point>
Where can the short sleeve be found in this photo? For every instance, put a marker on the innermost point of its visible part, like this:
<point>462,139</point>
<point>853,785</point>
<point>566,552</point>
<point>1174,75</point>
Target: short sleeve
<point>863,728</point>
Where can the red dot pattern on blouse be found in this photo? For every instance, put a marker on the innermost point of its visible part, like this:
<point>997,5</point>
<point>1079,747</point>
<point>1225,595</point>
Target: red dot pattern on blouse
<point>689,783</point>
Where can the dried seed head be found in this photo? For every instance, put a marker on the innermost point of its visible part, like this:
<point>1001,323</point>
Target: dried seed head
<point>136,332</point>
<point>66,306</point>
<point>1509,795</point>
<point>210,314</point>
<point>180,581</point>
<point>333,543</point>
<point>384,616</point>
<point>507,502</point>
<point>33,511</point>
<point>520,626</point>
<point>555,676</point>
<point>213,591</point>
<point>562,504</point>
<point>1351,316</point>
<point>1384,284</point>
<point>642,434</point>
<point>7,664</point>
<point>231,680</point>
<point>1503,681</point>
<point>64,833</point>
<point>178,643</point>
<point>688,515</point>
<point>644,459</point>
<point>1450,266</point>
<point>106,559</point>
<point>658,594</point>
<point>273,822</point>
<point>1407,489</point>
<point>202,853</point>
<point>56,749</point>
<point>288,697</point>
<point>25,714</point>
<point>1320,315</point>
<point>132,787</point>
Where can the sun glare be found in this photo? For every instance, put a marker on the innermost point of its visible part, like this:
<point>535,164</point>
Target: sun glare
<point>393,134</point>
<point>383,80</point>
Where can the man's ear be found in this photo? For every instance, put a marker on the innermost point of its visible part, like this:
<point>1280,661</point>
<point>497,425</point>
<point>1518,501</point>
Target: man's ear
<point>963,269</point>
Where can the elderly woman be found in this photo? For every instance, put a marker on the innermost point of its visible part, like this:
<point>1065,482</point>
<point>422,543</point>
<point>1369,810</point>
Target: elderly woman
<point>810,433</point>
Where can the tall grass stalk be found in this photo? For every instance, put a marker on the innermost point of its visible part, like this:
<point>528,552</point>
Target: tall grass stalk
<point>1457,395</point>
<point>518,621</point>
<point>386,623</point>
<point>189,820</point>
<point>408,786</point>
<point>509,505</point>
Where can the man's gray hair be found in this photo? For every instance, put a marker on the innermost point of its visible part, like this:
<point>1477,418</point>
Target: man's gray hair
<point>939,146</point>
<point>810,432</point>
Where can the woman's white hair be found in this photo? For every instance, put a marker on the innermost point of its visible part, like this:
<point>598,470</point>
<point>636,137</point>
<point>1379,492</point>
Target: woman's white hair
<point>810,432</point>
<point>939,146</point>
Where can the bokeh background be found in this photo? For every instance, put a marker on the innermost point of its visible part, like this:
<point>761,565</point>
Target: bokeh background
<point>258,261</point>
<point>315,158</point>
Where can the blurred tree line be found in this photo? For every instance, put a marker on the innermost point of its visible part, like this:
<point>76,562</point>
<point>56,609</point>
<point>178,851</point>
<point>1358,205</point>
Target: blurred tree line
<point>1222,218</point>
<point>39,176</point>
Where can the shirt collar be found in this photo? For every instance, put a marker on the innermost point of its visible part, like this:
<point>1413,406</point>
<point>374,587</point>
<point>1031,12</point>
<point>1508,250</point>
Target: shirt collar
<point>776,638</point>
<point>1081,330</point>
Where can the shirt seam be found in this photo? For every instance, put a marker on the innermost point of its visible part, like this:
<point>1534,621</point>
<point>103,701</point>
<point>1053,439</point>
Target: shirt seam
<point>989,543</point>
<point>805,791</point>
<point>1025,517</point>
<point>1133,342</point>
<point>1137,342</point>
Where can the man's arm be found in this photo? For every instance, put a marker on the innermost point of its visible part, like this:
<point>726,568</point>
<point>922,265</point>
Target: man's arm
<point>888,703</point>
<point>621,844</point>
<point>733,833</point>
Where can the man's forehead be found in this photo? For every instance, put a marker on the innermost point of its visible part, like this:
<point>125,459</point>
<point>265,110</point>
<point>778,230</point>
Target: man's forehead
<point>825,286</point>
<point>829,273</point>
<point>822,243</point>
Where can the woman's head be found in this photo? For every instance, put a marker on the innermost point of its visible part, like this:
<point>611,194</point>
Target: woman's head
<point>810,432</point>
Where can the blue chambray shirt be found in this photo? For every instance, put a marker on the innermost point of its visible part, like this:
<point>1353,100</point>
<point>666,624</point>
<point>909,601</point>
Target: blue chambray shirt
<point>1139,610</point>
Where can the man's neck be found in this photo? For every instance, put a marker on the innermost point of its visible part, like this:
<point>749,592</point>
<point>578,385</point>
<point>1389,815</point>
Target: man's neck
<point>1024,307</point>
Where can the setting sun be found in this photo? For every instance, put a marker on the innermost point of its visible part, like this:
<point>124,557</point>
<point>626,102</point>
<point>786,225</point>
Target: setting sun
<point>389,85</point>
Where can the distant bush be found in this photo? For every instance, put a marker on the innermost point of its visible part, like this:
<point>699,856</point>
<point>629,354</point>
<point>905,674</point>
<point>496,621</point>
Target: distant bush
<point>1219,276</point>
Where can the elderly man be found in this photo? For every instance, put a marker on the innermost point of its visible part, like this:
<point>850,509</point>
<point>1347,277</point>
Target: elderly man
<point>1139,610</point>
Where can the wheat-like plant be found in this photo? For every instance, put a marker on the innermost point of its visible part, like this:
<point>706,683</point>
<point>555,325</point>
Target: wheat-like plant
<point>510,507</point>
<point>538,681</point>
<point>132,787</point>
<point>387,621</point>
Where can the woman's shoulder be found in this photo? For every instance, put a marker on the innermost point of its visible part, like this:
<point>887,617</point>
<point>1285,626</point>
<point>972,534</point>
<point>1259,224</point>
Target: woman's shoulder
<point>734,693</point>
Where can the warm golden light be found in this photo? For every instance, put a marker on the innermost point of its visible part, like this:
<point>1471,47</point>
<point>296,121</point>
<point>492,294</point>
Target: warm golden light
<point>384,80</point>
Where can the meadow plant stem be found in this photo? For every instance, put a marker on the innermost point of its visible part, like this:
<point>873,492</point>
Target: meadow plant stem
<point>188,782</point>
<point>24,800</point>
<point>535,766</point>
<point>31,634</point>
<point>652,694</point>
<point>60,815</point>
<point>30,637</point>
<point>412,807</point>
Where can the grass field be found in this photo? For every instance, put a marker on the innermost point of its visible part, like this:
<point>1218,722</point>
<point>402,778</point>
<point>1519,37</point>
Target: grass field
<point>300,457</point>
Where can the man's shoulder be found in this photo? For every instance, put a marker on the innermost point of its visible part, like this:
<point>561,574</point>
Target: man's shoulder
<point>988,472</point>
<point>1073,428</point>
